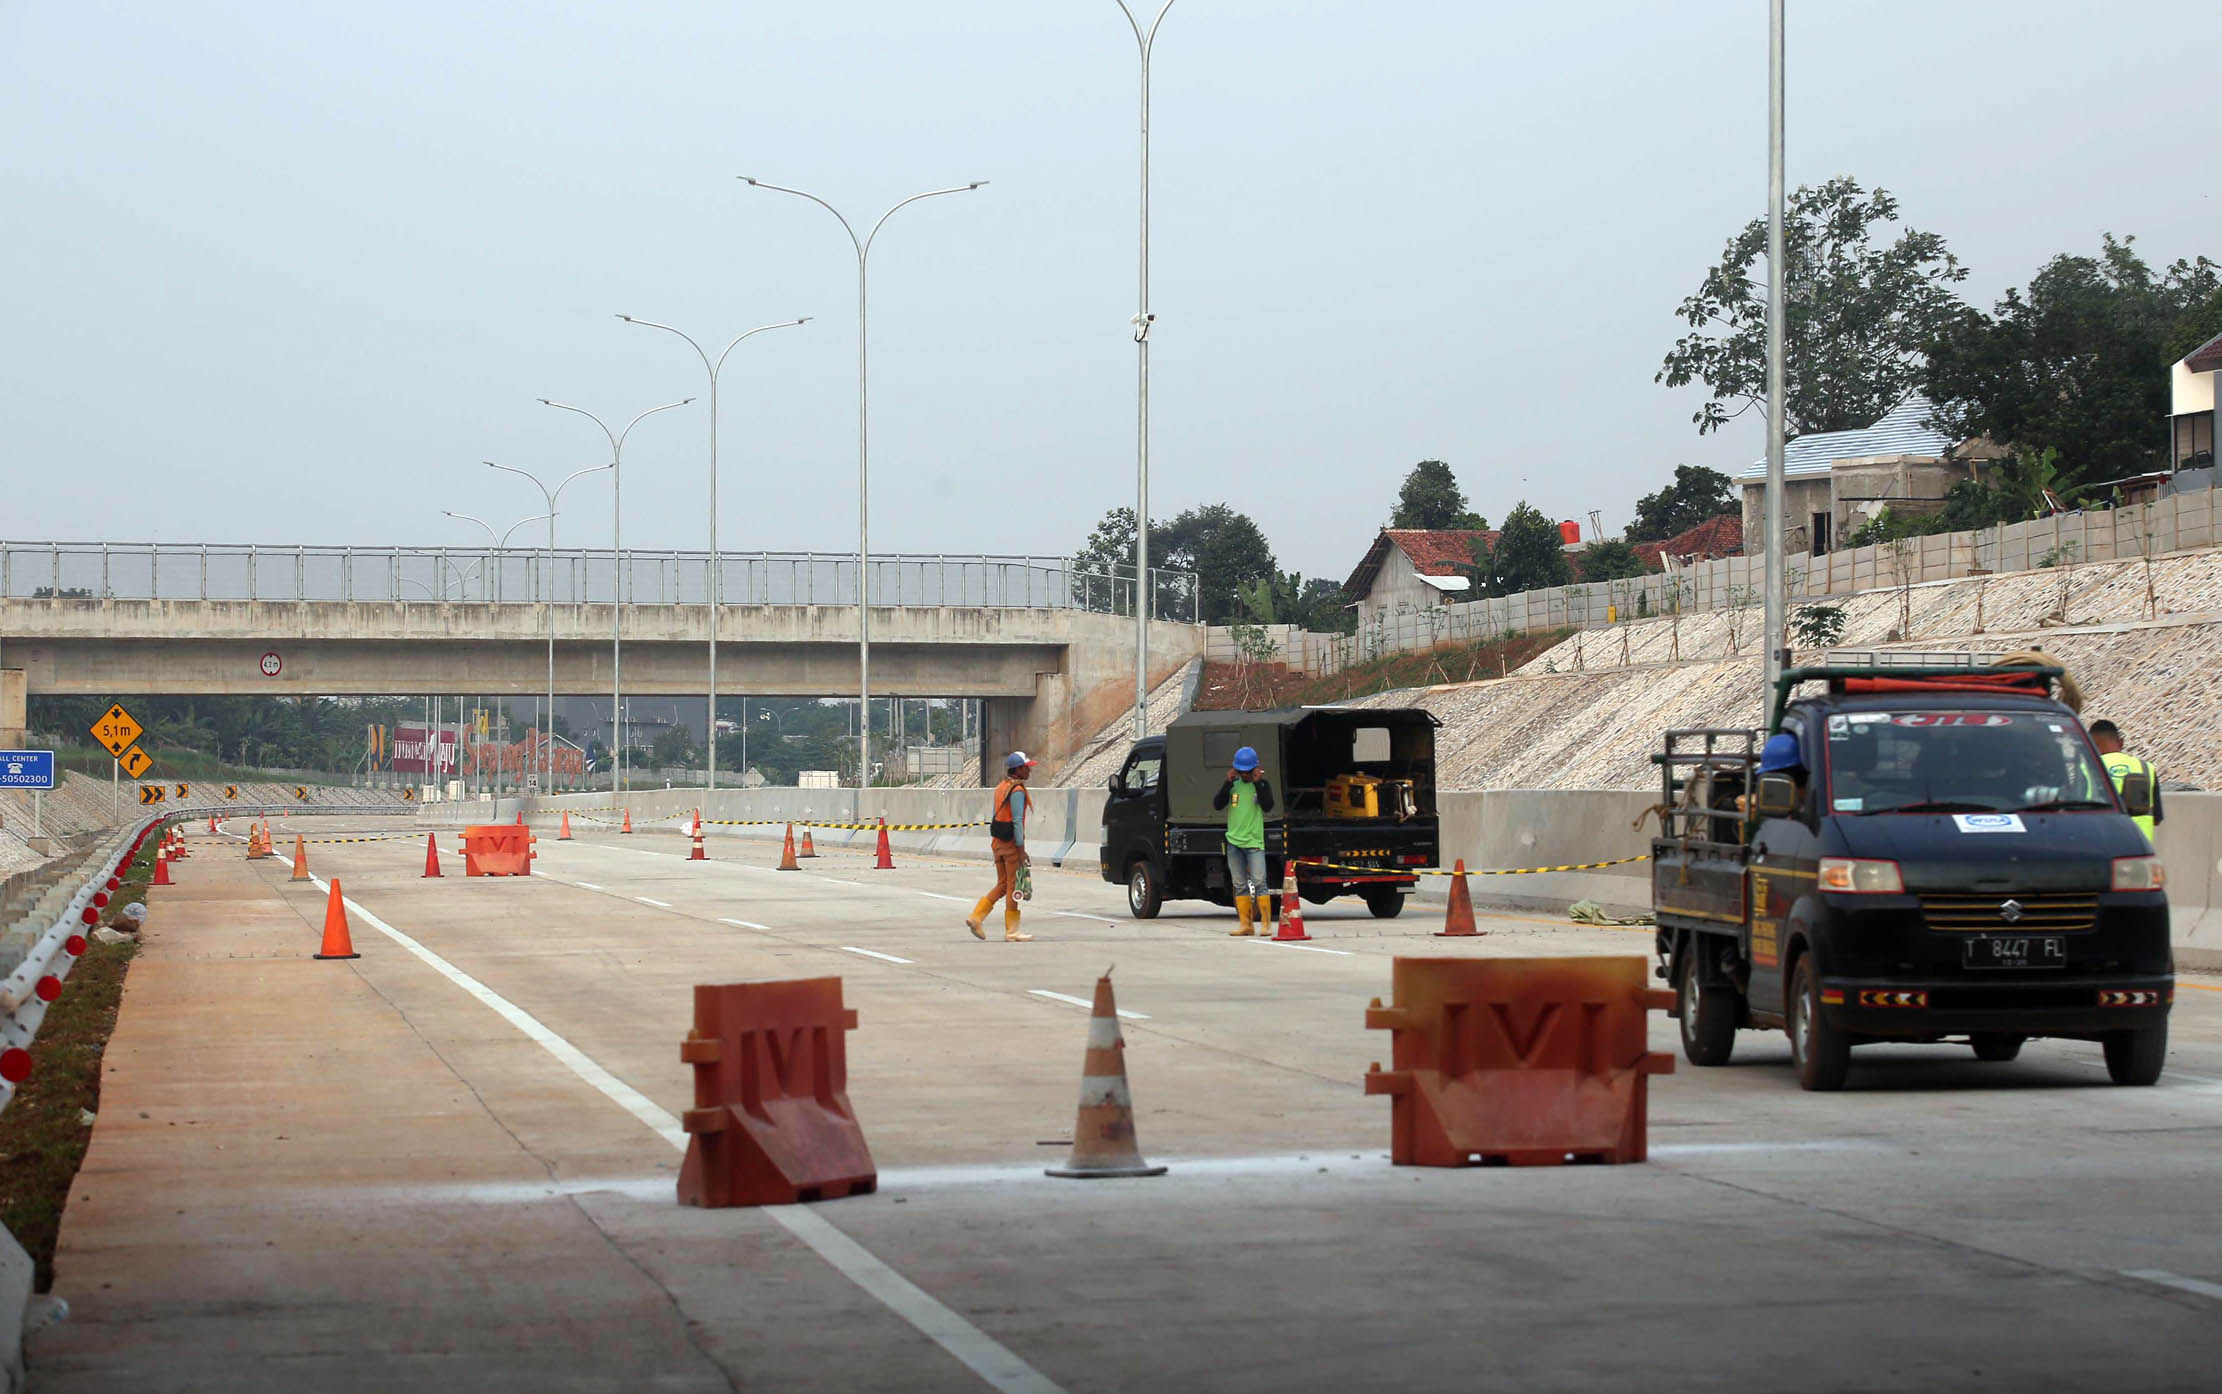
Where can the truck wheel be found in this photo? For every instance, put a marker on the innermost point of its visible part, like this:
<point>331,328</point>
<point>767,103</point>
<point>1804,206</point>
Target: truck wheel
<point>1708,1012</point>
<point>1384,902</point>
<point>1995,1045</point>
<point>1144,896</point>
<point>2134,1057</point>
<point>1822,1053</point>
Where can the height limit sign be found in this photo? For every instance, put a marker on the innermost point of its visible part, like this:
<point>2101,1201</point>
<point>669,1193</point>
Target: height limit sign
<point>117,730</point>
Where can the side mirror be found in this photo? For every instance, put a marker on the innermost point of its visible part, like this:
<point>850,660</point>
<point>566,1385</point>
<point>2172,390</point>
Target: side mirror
<point>1778,796</point>
<point>2137,794</point>
<point>1118,784</point>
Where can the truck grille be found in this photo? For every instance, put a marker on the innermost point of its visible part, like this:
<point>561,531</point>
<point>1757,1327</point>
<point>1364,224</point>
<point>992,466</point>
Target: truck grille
<point>2048,912</point>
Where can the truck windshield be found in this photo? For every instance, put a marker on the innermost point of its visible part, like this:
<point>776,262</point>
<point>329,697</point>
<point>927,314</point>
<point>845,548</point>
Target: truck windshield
<point>1961,762</point>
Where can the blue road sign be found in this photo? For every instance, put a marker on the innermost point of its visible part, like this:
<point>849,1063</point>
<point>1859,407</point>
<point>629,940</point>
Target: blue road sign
<point>26,769</point>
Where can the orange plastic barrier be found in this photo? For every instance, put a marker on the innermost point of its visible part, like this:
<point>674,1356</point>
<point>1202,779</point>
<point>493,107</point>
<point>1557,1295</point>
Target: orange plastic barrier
<point>771,1123</point>
<point>1523,1061</point>
<point>498,849</point>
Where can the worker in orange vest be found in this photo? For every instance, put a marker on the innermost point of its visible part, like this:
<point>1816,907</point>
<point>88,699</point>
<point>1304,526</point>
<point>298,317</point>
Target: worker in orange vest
<point>1007,837</point>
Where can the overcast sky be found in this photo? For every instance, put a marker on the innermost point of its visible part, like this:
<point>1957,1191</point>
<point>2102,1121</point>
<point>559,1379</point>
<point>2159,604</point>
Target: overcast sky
<point>287,272</point>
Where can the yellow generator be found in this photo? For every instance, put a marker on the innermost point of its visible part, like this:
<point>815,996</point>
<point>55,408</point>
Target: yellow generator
<point>1365,796</point>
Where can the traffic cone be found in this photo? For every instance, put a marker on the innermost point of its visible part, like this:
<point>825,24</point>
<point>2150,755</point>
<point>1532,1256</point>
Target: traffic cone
<point>431,855</point>
<point>628,822</point>
<point>787,852</point>
<point>696,854</point>
<point>161,867</point>
<point>300,858</point>
<point>809,848</point>
<point>886,860</point>
<point>1103,1142</point>
<point>565,834</point>
<point>520,817</point>
<point>1292,911</point>
<point>1458,921</point>
<point>337,942</point>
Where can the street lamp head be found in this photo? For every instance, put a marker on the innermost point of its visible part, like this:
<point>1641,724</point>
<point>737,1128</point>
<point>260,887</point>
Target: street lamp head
<point>977,184</point>
<point>747,179</point>
<point>627,318</point>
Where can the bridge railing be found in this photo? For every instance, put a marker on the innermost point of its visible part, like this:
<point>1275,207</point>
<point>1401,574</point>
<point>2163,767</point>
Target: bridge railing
<point>453,575</point>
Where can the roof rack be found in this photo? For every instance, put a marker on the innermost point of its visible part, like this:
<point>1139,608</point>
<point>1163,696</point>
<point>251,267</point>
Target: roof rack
<point>1959,675</point>
<point>1904,658</point>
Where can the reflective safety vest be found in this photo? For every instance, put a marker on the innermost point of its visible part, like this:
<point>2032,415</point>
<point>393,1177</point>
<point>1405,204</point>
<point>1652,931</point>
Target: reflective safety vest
<point>2119,767</point>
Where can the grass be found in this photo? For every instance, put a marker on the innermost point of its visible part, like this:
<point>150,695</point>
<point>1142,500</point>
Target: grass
<point>192,766</point>
<point>43,1134</point>
<point>1272,686</point>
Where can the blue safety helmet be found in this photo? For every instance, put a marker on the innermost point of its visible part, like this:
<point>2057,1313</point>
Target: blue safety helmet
<point>1245,759</point>
<point>1781,753</point>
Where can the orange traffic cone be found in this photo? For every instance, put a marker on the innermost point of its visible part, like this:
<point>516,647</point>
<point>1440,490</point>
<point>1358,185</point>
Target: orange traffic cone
<point>787,852</point>
<point>337,942</point>
<point>1292,911</point>
<point>520,817</point>
<point>809,848</point>
<point>1458,921</point>
<point>300,858</point>
<point>161,867</point>
<point>431,855</point>
<point>565,834</point>
<point>886,860</point>
<point>628,822</point>
<point>696,854</point>
<point>1103,1142</point>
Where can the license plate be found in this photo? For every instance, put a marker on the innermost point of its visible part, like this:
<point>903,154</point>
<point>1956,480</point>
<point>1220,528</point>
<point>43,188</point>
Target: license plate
<point>2015,951</point>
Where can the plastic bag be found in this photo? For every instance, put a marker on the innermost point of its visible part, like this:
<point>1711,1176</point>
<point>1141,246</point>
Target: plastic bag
<point>1022,888</point>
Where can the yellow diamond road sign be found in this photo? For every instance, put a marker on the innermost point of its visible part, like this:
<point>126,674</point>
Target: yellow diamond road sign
<point>134,761</point>
<point>116,730</point>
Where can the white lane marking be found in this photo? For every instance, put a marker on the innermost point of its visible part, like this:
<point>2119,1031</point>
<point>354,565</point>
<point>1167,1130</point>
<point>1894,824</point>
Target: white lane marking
<point>874,953</point>
<point>979,1352</point>
<point>2175,1280</point>
<point>659,904</point>
<point>939,896</point>
<point>1080,915</point>
<point>745,924</point>
<point>586,885</point>
<point>1307,948</point>
<point>1083,1002</point>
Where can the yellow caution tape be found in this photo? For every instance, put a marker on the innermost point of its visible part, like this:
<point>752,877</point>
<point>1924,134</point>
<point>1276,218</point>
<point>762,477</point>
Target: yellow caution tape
<point>1470,871</point>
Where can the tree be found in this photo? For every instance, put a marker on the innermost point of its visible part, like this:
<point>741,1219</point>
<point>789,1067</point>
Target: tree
<point>1528,555</point>
<point>1431,499</point>
<point>2078,364</point>
<point>1860,314</point>
<point>1224,548</point>
<point>1696,495</point>
<point>672,746</point>
<point>1611,561</point>
<point>1317,605</point>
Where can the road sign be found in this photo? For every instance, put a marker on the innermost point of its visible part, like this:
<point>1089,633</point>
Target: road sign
<point>272,665</point>
<point>231,791</point>
<point>134,761</point>
<point>408,794</point>
<point>301,791</point>
<point>152,793</point>
<point>183,790</point>
<point>116,730</point>
<point>26,769</point>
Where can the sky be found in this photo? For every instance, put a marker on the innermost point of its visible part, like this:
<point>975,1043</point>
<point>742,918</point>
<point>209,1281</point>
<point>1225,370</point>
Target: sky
<point>288,273</point>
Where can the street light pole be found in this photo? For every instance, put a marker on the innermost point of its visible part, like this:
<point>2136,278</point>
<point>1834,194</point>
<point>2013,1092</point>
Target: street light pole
<point>863,248</point>
<point>617,561</point>
<point>1144,593</point>
<point>1778,312</point>
<point>551,495</point>
<point>715,589</point>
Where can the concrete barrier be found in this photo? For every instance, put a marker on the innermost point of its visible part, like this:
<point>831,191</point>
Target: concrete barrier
<point>2189,840</point>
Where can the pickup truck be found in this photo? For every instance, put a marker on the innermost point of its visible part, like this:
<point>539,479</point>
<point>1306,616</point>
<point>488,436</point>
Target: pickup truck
<point>1953,863</point>
<point>1354,811</point>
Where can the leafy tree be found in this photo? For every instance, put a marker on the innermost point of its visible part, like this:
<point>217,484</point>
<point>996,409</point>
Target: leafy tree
<point>1432,499</point>
<point>1529,554</point>
<point>1696,495</point>
<point>1317,605</point>
<point>1611,561</point>
<point>2078,364</point>
<point>673,746</point>
<point>1224,548</point>
<point>1860,313</point>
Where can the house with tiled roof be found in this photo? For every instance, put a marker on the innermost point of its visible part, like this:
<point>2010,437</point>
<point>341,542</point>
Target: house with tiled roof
<point>1835,481</point>
<point>2192,389</point>
<point>1708,541</point>
<point>1409,569</point>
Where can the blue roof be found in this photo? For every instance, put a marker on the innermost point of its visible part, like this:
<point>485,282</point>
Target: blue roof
<point>1900,432</point>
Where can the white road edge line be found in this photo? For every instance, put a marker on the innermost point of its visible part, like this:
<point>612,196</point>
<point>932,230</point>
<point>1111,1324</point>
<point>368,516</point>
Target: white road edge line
<point>659,904</point>
<point>1308,948</point>
<point>746,924</point>
<point>1084,1002</point>
<point>1083,915</point>
<point>939,896</point>
<point>2175,1280</point>
<point>874,953</point>
<point>586,885</point>
<point>977,1351</point>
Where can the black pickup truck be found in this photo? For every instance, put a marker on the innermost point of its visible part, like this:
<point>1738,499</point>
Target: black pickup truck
<point>1355,810</point>
<point>1953,864</point>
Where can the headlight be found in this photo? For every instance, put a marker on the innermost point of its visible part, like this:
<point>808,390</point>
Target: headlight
<point>2139,874</point>
<point>1856,876</point>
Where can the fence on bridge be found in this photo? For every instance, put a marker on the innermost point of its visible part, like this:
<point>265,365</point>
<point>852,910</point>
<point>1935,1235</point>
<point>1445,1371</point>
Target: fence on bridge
<point>153,571</point>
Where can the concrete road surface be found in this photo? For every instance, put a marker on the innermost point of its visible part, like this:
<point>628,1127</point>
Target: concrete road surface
<point>449,1164</point>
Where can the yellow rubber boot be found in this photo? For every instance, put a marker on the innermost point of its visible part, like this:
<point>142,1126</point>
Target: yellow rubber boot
<point>1012,934</point>
<point>979,915</point>
<point>1243,910</point>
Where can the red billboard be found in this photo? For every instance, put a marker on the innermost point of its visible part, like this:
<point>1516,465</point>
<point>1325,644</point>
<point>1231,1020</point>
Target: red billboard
<point>411,744</point>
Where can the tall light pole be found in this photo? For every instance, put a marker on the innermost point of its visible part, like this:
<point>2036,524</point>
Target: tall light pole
<point>499,541</point>
<point>617,574</point>
<point>1778,313</point>
<point>1146,40</point>
<point>863,248</point>
<point>551,495</point>
<point>716,587</point>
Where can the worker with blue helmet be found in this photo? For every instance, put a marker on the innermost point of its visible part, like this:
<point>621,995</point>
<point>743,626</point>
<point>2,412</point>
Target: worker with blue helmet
<point>1247,797</point>
<point>1781,755</point>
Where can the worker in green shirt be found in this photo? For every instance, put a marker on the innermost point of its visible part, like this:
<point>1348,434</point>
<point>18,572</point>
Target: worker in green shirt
<point>1247,797</point>
<point>2121,765</point>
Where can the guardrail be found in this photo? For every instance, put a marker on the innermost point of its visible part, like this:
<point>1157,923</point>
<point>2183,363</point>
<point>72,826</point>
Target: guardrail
<point>524,575</point>
<point>56,939</point>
